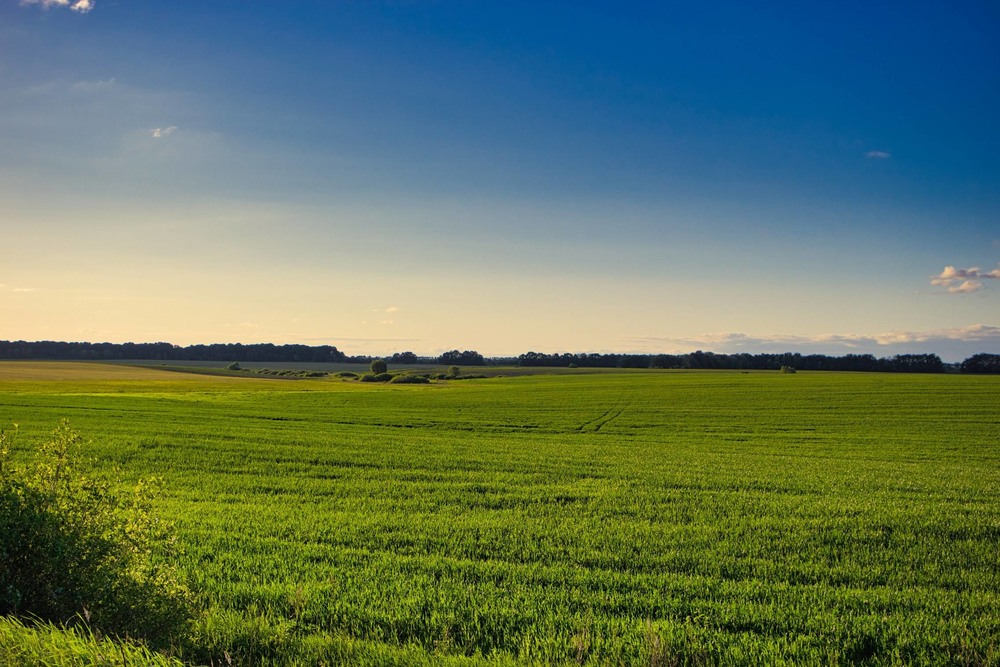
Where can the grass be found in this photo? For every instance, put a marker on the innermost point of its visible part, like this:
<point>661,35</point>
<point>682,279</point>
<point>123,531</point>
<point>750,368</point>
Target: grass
<point>616,518</point>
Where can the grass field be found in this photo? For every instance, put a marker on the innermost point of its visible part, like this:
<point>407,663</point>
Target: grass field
<point>653,518</point>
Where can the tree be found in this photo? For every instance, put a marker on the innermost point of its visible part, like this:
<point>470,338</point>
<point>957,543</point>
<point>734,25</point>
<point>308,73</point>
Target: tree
<point>378,367</point>
<point>982,363</point>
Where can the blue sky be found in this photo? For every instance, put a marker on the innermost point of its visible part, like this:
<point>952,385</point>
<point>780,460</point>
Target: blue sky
<point>503,176</point>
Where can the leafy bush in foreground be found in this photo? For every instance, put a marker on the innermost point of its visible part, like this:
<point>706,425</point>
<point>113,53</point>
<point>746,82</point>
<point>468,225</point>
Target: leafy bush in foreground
<point>73,547</point>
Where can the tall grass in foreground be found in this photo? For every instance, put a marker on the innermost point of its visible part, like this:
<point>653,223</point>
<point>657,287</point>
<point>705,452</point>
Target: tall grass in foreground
<point>57,646</point>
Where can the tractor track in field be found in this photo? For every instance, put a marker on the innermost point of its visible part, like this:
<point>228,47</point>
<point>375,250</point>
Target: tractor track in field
<point>595,425</point>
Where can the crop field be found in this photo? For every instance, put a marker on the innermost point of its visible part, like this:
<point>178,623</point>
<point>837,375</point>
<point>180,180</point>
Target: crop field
<point>633,517</point>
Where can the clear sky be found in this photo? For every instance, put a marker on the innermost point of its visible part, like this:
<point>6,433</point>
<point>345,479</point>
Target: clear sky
<point>504,177</point>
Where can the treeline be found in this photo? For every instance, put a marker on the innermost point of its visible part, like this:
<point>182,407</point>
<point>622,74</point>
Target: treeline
<point>222,352</point>
<point>901,363</point>
<point>268,352</point>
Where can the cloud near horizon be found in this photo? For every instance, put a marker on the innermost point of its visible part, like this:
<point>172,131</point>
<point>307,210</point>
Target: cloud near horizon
<point>731,342</point>
<point>964,281</point>
<point>878,155</point>
<point>81,6</point>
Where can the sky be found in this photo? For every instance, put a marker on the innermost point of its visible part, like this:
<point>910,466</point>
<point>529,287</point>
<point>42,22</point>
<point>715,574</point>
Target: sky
<point>503,176</point>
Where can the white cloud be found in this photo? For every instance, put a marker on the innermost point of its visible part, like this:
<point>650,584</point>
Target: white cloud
<point>160,132</point>
<point>878,155</point>
<point>81,6</point>
<point>964,281</point>
<point>966,287</point>
<point>392,309</point>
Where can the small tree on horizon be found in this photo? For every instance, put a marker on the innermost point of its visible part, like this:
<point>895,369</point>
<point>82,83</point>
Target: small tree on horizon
<point>379,366</point>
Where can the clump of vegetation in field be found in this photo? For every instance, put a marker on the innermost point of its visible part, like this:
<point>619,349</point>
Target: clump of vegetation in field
<point>77,549</point>
<point>290,373</point>
<point>409,379</point>
<point>377,377</point>
<point>347,375</point>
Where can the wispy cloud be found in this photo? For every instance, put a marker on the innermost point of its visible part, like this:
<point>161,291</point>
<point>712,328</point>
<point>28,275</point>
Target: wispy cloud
<point>19,290</point>
<point>81,6</point>
<point>94,86</point>
<point>964,281</point>
<point>392,309</point>
<point>160,132</point>
<point>878,155</point>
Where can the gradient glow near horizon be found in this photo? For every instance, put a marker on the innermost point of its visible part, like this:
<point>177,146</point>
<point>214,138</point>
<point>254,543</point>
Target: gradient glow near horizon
<point>504,177</point>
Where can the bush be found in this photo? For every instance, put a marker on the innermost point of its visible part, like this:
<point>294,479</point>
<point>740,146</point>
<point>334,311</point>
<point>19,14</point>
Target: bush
<point>347,374</point>
<point>235,366</point>
<point>379,377</point>
<point>787,369</point>
<point>409,379</point>
<point>72,547</point>
<point>379,367</point>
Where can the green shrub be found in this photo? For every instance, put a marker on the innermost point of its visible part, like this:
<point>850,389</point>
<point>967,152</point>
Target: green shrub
<point>379,367</point>
<point>380,377</point>
<point>235,366</point>
<point>787,369</point>
<point>347,374</point>
<point>73,547</point>
<point>409,379</point>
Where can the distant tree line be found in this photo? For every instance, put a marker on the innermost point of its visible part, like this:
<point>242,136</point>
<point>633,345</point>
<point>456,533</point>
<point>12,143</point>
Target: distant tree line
<point>261,352</point>
<point>901,363</point>
<point>166,352</point>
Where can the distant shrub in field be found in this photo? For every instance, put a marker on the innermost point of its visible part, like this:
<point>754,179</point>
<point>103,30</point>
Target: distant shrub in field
<point>347,374</point>
<point>72,547</point>
<point>379,367</point>
<point>377,377</point>
<point>787,369</point>
<point>235,366</point>
<point>409,379</point>
<point>454,371</point>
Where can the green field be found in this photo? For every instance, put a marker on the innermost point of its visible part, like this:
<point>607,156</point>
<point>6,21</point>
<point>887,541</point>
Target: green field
<point>644,517</point>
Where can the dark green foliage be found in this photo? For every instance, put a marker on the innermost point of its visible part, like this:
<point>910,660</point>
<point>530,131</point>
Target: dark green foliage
<point>348,375</point>
<point>454,371</point>
<point>235,366</point>
<point>73,547</point>
<point>787,369</point>
<point>982,363</point>
<point>379,366</point>
<point>409,379</point>
<point>376,377</point>
<point>467,358</point>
